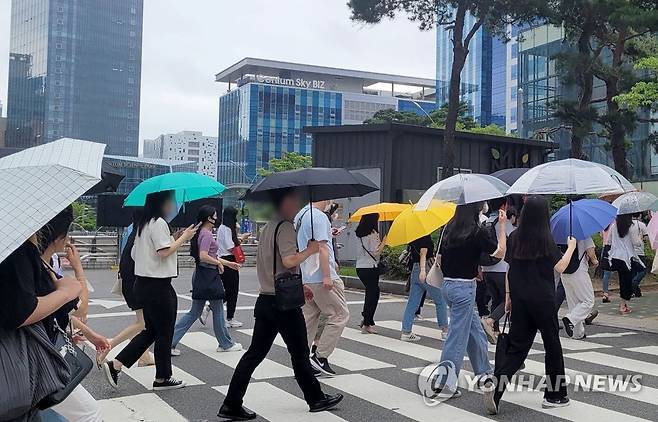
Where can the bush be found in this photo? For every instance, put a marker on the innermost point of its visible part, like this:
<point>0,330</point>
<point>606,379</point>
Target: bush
<point>391,257</point>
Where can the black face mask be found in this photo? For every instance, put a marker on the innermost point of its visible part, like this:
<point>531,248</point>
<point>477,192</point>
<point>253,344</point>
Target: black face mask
<point>215,223</point>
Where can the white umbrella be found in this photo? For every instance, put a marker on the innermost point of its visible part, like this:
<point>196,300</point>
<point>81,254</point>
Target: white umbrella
<point>37,183</point>
<point>464,188</point>
<point>634,202</point>
<point>571,177</point>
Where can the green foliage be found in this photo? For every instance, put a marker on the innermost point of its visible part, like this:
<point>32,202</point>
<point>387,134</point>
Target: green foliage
<point>391,257</point>
<point>83,216</point>
<point>489,130</point>
<point>347,271</point>
<point>390,115</point>
<point>644,94</point>
<point>288,161</point>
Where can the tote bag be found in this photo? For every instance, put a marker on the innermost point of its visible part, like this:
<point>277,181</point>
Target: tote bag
<point>502,345</point>
<point>288,287</point>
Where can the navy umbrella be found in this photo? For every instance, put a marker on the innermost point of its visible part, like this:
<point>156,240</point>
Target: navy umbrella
<point>510,176</point>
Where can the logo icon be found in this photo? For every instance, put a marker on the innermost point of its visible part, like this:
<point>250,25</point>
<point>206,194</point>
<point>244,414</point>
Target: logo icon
<point>437,382</point>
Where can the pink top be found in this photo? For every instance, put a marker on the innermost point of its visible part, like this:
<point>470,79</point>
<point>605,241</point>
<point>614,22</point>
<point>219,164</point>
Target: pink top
<point>207,243</point>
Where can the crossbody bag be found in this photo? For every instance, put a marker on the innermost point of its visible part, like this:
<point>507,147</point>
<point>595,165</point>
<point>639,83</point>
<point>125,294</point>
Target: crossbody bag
<point>288,286</point>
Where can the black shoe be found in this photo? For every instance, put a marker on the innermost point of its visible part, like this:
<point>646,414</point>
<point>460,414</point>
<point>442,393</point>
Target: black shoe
<point>638,292</point>
<point>591,317</point>
<point>327,403</point>
<point>316,372</point>
<point>322,364</point>
<point>168,384</point>
<point>552,403</point>
<point>568,326</point>
<point>606,299</point>
<point>314,348</point>
<point>235,414</point>
<point>111,374</point>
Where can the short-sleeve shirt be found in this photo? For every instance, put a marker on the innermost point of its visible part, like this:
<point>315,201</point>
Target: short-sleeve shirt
<point>367,246</point>
<point>415,247</point>
<point>225,240</point>
<point>321,231</point>
<point>207,243</point>
<point>155,236</point>
<point>500,267</point>
<point>286,243</point>
<point>462,261</point>
<point>531,279</point>
<point>639,230</point>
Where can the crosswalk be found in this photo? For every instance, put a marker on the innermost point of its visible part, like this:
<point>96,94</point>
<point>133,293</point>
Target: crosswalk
<point>378,375</point>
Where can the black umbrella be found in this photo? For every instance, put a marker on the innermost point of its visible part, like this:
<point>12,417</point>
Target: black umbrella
<point>110,180</point>
<point>510,176</point>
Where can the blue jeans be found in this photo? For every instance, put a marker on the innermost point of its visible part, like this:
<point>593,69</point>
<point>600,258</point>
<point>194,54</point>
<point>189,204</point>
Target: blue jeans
<point>605,281</point>
<point>218,323</point>
<point>49,415</point>
<point>465,334</point>
<point>638,274</point>
<point>416,289</point>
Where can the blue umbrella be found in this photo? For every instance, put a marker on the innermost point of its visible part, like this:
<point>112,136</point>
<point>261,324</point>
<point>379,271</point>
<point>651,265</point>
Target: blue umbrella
<point>582,219</point>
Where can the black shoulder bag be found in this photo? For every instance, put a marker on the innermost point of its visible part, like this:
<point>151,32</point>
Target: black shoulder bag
<point>288,286</point>
<point>381,266</point>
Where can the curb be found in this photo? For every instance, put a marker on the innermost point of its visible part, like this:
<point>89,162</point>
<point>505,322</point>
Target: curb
<point>385,286</point>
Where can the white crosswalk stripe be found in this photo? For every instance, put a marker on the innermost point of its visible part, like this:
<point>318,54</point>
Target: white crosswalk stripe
<point>631,365</point>
<point>650,350</point>
<point>140,407</point>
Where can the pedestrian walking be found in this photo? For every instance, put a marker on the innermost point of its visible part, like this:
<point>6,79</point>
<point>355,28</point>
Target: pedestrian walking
<point>639,270</point>
<point>421,255</point>
<point>578,290</point>
<point>605,276</point>
<point>207,284</point>
<point>533,257</point>
<point>277,254</point>
<point>367,267</point>
<point>227,241</point>
<point>621,256</point>
<point>319,273</point>
<point>156,263</point>
<point>464,243</point>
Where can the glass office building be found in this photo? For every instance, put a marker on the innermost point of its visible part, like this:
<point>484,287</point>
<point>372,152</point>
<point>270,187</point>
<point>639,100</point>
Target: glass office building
<point>269,103</point>
<point>75,71</point>
<point>489,76</point>
<point>138,169</point>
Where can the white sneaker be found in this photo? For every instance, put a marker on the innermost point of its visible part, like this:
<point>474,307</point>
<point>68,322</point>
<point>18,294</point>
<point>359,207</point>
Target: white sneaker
<point>409,337</point>
<point>237,347</point>
<point>204,314</point>
<point>233,323</point>
<point>175,352</point>
<point>418,317</point>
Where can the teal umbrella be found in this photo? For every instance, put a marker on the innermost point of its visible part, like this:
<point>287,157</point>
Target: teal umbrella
<point>188,187</point>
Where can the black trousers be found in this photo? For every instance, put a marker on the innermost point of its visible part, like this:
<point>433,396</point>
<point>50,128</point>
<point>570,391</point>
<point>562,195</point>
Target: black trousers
<point>495,283</point>
<point>160,304</point>
<point>560,295</point>
<point>231,280</point>
<point>528,316</point>
<point>370,279</point>
<point>422,302</point>
<point>625,278</point>
<point>292,327</point>
<point>482,298</point>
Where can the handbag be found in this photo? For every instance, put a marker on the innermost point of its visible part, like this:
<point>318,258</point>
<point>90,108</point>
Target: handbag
<point>288,286</point>
<point>434,276</point>
<point>502,345</point>
<point>381,266</point>
<point>31,369</point>
<point>405,257</point>
<point>486,260</point>
<point>238,253</point>
<point>605,258</point>
<point>79,365</point>
<point>207,283</point>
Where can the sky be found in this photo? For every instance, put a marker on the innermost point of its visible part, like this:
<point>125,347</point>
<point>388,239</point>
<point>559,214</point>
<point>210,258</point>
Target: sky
<point>185,43</point>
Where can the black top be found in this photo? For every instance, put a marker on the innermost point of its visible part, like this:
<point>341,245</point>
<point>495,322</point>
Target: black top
<point>462,261</point>
<point>417,245</point>
<point>531,278</point>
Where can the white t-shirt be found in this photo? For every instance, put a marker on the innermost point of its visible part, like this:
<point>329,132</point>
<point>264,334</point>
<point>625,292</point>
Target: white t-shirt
<point>639,230</point>
<point>155,236</point>
<point>311,272</point>
<point>367,244</point>
<point>224,241</point>
<point>583,246</point>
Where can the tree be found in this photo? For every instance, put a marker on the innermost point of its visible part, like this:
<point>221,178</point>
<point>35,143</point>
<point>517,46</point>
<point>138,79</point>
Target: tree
<point>643,94</point>
<point>84,216</point>
<point>494,15</point>
<point>288,161</point>
<point>391,115</point>
<point>464,119</point>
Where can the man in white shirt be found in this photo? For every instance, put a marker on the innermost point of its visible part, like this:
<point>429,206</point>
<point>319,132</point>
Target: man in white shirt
<point>321,281</point>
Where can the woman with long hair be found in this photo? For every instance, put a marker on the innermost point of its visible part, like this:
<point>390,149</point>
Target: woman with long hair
<point>622,254</point>
<point>156,263</point>
<point>533,258</point>
<point>207,284</point>
<point>227,240</point>
<point>464,241</point>
<point>370,249</point>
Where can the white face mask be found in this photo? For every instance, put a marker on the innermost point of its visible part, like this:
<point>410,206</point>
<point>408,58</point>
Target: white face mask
<point>485,208</point>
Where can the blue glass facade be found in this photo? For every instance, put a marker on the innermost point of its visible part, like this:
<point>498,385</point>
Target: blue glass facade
<point>412,106</point>
<point>258,122</point>
<point>136,170</point>
<point>75,71</point>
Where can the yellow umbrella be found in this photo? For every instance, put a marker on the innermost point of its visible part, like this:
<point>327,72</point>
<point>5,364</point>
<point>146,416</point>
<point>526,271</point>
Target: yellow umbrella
<point>387,211</point>
<point>411,224</point>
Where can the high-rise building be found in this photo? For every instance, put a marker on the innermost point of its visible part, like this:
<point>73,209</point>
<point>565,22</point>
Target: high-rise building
<point>269,103</point>
<point>75,71</point>
<point>3,127</point>
<point>488,78</point>
<point>187,146</point>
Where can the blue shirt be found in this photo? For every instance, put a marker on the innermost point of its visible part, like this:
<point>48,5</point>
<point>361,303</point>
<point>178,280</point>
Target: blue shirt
<point>311,272</point>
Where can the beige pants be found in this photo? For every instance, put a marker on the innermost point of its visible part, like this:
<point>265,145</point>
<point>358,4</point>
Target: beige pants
<point>332,304</point>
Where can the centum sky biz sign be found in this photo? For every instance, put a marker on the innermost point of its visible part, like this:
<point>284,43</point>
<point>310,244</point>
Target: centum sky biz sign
<point>292,82</point>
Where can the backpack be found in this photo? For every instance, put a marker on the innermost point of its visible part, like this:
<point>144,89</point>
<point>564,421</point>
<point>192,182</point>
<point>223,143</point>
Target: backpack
<point>574,263</point>
<point>486,260</point>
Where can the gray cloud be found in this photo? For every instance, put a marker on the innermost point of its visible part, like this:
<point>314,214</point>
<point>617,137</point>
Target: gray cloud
<point>187,42</point>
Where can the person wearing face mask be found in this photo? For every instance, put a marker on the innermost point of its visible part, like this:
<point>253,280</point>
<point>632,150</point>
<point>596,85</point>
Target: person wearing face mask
<point>207,284</point>
<point>156,263</point>
<point>319,275</point>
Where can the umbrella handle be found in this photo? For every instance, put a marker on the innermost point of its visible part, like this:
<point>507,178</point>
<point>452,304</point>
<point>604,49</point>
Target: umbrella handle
<point>570,219</point>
